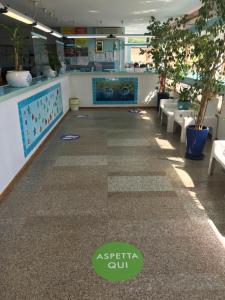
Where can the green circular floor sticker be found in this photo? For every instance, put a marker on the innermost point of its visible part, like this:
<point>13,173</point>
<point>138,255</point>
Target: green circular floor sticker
<point>117,261</point>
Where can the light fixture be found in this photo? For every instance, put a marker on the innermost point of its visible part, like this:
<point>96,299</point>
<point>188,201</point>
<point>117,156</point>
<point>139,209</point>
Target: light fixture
<point>57,34</point>
<point>12,13</point>
<point>93,11</point>
<point>132,35</point>
<point>86,36</point>
<point>38,36</point>
<point>42,27</point>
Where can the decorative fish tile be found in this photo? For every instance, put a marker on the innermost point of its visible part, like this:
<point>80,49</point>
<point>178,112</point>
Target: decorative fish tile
<point>38,114</point>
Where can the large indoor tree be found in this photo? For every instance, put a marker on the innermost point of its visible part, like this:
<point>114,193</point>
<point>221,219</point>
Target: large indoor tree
<point>167,46</point>
<point>208,54</point>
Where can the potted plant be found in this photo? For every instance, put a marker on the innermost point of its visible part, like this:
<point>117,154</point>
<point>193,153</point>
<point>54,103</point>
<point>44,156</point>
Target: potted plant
<point>208,59</point>
<point>53,68</point>
<point>54,62</point>
<point>17,77</point>
<point>167,48</point>
<point>184,101</point>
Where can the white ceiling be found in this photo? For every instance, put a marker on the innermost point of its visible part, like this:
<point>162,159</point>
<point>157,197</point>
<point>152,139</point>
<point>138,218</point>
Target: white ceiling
<point>134,13</point>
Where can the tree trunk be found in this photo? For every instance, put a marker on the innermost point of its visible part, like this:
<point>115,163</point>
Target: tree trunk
<point>16,59</point>
<point>202,110</point>
<point>175,87</point>
<point>162,83</point>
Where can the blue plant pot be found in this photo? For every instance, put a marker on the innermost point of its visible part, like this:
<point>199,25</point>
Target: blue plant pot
<point>196,140</point>
<point>183,105</point>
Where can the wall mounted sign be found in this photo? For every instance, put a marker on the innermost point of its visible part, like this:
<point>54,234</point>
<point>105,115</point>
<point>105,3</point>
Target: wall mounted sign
<point>115,90</point>
<point>70,137</point>
<point>38,114</point>
<point>74,30</point>
<point>117,261</point>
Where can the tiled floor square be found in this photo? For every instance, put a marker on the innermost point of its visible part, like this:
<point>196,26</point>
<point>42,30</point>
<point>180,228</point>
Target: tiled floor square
<point>138,184</point>
<point>81,160</point>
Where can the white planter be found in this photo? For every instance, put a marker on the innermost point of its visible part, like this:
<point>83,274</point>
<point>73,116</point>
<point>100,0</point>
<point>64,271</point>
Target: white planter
<point>48,72</point>
<point>63,68</point>
<point>19,78</point>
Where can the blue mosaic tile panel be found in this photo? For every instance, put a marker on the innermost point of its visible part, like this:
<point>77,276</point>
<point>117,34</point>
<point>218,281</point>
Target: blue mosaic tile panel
<point>115,90</point>
<point>38,114</point>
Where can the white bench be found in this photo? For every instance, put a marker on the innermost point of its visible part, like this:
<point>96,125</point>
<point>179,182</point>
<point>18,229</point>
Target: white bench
<point>217,154</point>
<point>181,117</point>
<point>165,102</point>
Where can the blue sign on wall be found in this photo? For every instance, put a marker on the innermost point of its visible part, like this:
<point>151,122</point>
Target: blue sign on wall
<point>38,114</point>
<point>115,90</point>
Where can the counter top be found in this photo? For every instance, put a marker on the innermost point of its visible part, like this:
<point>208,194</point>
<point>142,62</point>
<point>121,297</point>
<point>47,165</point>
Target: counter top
<point>116,72</point>
<point>7,92</point>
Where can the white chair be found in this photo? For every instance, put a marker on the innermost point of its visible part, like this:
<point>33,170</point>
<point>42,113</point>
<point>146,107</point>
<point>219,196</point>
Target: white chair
<point>164,102</point>
<point>168,111</point>
<point>173,114</point>
<point>217,154</point>
<point>182,118</point>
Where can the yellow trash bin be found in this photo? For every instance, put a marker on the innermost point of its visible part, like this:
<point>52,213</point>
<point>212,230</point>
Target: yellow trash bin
<point>74,104</point>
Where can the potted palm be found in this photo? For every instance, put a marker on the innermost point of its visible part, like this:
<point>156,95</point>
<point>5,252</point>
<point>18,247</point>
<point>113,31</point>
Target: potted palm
<point>208,58</point>
<point>17,77</point>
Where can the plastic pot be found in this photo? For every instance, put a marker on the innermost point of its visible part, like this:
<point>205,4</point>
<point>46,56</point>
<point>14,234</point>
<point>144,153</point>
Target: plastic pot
<point>183,105</point>
<point>196,140</point>
<point>19,78</point>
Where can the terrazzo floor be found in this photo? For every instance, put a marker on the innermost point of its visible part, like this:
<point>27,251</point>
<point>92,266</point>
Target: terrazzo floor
<point>125,180</point>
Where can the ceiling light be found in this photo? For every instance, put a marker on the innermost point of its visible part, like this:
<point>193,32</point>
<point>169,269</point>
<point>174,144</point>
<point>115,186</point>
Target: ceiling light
<point>86,36</point>
<point>42,27</point>
<point>57,34</point>
<point>140,12</point>
<point>94,11</point>
<point>12,13</point>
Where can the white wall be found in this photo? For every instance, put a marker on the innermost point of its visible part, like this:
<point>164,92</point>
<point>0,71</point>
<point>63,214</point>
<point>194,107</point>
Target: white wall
<point>221,128</point>
<point>11,147</point>
<point>212,111</point>
<point>81,87</point>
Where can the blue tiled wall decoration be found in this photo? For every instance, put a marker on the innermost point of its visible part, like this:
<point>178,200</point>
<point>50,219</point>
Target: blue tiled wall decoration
<point>38,114</point>
<point>118,90</point>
